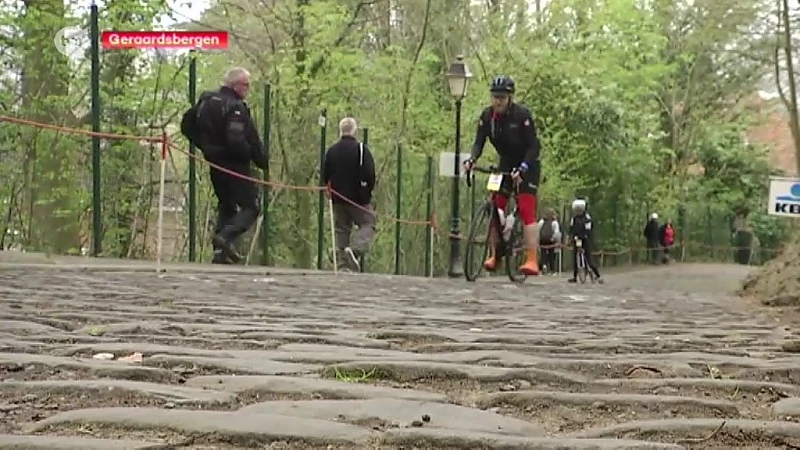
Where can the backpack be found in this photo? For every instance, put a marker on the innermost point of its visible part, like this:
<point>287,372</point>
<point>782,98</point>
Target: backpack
<point>190,126</point>
<point>546,233</point>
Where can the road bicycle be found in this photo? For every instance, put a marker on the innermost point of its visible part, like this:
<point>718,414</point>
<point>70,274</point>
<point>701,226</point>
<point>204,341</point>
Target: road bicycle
<point>511,244</point>
<point>583,268</point>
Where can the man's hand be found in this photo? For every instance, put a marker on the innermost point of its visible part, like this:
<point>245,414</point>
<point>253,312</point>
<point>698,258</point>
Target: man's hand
<point>517,173</point>
<point>468,165</point>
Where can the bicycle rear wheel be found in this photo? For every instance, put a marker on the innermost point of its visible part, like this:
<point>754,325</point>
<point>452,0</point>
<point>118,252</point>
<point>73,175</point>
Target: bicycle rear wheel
<point>582,269</point>
<point>477,242</point>
<point>515,254</point>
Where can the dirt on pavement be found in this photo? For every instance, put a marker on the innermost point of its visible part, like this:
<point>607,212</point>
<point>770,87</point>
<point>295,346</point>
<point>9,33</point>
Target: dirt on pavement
<point>777,283</point>
<point>658,358</point>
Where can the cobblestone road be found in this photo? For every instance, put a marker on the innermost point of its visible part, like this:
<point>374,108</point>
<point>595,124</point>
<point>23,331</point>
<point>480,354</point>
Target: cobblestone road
<point>655,359</point>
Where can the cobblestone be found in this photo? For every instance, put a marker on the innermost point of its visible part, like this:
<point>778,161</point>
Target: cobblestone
<point>661,358</point>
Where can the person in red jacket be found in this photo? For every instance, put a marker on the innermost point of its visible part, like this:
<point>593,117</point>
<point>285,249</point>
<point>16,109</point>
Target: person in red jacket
<point>667,235</point>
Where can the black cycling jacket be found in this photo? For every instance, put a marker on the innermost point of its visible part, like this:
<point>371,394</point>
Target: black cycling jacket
<point>513,135</point>
<point>581,226</point>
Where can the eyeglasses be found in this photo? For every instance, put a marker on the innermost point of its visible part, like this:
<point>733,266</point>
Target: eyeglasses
<point>499,96</point>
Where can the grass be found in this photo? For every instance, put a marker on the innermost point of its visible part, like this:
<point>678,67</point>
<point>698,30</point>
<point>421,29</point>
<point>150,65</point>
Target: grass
<point>354,377</point>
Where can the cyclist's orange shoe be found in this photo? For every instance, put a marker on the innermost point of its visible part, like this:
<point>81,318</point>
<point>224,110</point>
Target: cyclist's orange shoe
<point>531,266</point>
<point>490,264</point>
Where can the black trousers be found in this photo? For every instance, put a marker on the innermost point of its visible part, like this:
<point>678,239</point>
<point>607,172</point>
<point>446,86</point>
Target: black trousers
<point>238,204</point>
<point>548,252</point>
<point>653,250</point>
<point>587,251</point>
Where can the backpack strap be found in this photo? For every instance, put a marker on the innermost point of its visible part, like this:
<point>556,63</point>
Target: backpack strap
<point>360,154</point>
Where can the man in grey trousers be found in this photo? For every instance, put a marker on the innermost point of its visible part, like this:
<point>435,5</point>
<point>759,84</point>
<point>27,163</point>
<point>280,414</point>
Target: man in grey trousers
<point>349,171</point>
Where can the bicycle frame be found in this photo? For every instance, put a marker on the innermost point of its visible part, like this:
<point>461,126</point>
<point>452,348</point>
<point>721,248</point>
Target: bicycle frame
<point>491,198</point>
<point>505,245</point>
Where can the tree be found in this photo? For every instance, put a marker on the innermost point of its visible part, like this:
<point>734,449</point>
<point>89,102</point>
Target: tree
<point>784,73</point>
<point>638,105</point>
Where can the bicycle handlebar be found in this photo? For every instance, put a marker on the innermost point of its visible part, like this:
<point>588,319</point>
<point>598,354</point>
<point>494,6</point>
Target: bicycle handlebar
<point>489,170</point>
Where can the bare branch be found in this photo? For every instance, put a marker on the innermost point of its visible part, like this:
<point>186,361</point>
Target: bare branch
<point>411,70</point>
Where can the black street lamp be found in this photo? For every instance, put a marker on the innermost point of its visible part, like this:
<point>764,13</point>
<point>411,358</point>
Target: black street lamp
<point>458,80</point>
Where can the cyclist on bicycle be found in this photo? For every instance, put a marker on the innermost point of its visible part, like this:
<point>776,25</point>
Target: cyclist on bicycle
<point>510,128</point>
<point>580,227</point>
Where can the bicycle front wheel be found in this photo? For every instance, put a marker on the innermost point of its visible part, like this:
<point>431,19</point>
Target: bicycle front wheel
<point>515,254</point>
<point>478,241</point>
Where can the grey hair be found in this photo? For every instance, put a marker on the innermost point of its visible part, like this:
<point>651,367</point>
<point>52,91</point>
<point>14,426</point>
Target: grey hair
<point>235,75</point>
<point>348,127</point>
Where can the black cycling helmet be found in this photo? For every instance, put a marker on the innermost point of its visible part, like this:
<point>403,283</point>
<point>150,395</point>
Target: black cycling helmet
<point>502,84</point>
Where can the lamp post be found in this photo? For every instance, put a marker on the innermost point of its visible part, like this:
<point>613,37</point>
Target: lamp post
<point>457,79</point>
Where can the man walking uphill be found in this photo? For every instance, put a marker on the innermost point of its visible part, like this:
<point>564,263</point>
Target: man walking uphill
<point>221,126</point>
<point>349,171</point>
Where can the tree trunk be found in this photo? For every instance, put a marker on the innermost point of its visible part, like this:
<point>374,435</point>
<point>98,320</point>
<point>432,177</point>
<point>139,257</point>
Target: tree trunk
<point>794,120</point>
<point>51,182</point>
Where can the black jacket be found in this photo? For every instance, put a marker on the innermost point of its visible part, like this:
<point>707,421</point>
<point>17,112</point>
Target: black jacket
<point>651,231</point>
<point>581,226</point>
<point>513,135</point>
<point>349,173</point>
<point>227,134</point>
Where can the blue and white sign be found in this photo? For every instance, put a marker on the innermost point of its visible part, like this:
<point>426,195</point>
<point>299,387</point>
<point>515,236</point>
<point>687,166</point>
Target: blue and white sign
<point>784,197</point>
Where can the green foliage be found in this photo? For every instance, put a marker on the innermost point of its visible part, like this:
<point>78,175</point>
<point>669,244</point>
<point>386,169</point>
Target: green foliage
<point>636,105</point>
